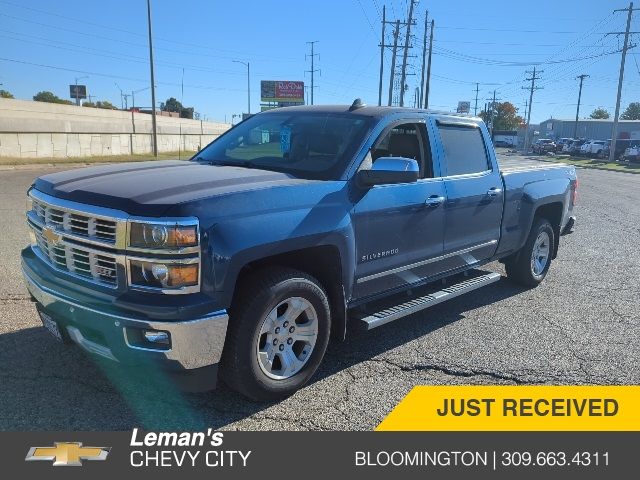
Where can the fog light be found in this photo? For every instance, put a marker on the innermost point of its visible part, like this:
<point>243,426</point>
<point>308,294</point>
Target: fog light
<point>155,336</point>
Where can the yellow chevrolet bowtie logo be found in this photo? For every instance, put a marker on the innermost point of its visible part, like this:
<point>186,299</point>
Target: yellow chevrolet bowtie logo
<point>68,453</point>
<point>51,235</point>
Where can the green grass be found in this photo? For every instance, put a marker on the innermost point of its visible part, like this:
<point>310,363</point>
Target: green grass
<point>593,163</point>
<point>91,160</point>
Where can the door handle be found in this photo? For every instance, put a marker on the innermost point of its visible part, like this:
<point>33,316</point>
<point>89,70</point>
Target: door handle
<point>434,201</point>
<point>494,192</point>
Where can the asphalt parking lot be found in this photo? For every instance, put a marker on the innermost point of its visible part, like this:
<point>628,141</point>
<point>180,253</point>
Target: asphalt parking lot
<point>581,326</point>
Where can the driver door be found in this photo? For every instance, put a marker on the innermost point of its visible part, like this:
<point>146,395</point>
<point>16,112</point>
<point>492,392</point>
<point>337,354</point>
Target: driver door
<point>399,228</point>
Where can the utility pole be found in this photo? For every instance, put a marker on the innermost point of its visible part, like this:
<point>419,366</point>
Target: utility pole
<point>384,23</point>
<point>313,69</point>
<point>424,55</point>
<point>575,128</point>
<point>475,108</point>
<point>492,110</point>
<point>407,38</point>
<point>153,85</point>
<point>396,32</point>
<point>533,87</point>
<point>614,132</point>
<point>426,90</point>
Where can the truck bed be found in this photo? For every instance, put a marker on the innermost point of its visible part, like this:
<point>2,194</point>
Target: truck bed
<point>517,163</point>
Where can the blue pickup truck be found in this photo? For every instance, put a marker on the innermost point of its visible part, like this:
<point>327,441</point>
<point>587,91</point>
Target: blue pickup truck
<point>242,262</point>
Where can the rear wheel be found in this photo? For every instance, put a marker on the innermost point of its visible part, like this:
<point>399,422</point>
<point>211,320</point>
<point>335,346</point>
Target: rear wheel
<point>531,264</point>
<point>278,334</point>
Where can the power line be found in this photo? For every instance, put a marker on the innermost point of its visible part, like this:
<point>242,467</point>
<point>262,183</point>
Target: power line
<point>256,57</point>
<point>107,75</point>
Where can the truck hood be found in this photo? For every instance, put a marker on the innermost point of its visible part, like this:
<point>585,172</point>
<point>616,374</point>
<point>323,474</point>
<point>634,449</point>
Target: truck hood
<point>151,188</point>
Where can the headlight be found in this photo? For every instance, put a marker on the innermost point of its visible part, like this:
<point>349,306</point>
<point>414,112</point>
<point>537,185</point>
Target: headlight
<point>150,235</point>
<point>163,275</point>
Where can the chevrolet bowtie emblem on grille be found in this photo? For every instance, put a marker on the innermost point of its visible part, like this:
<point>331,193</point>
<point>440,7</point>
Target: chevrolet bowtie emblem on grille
<point>51,235</point>
<point>68,453</point>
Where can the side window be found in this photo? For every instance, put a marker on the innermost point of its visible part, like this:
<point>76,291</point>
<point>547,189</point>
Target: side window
<point>464,150</point>
<point>405,140</point>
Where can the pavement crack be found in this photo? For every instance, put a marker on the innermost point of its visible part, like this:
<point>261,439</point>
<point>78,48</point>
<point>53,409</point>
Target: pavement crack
<point>454,371</point>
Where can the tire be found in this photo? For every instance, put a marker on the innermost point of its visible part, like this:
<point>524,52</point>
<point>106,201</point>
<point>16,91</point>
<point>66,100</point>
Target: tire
<point>522,268</point>
<point>257,359</point>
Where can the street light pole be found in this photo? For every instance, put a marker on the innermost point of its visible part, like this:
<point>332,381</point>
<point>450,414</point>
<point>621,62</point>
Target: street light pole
<point>133,96</point>
<point>248,84</point>
<point>153,83</point>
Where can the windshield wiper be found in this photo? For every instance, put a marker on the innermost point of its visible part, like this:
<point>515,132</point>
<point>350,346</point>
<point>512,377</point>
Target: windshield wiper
<point>225,163</point>
<point>232,163</point>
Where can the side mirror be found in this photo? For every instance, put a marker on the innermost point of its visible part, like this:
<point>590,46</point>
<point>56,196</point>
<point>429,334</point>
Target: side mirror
<point>389,170</point>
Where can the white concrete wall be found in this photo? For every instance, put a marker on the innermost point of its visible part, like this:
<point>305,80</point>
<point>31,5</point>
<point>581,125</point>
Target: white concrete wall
<point>48,130</point>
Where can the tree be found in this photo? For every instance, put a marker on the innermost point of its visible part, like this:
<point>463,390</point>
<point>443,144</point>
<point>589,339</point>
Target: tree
<point>100,104</point>
<point>632,112</point>
<point>49,97</point>
<point>505,116</point>
<point>173,105</point>
<point>599,113</point>
<point>5,94</point>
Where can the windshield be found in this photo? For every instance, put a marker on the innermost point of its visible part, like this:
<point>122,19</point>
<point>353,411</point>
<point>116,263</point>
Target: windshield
<point>304,144</point>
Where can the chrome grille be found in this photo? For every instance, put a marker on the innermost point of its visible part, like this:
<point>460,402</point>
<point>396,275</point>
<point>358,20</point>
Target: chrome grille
<point>86,262</point>
<point>73,222</point>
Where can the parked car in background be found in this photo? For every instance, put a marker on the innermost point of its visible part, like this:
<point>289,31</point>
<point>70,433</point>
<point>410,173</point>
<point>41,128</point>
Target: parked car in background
<point>502,144</point>
<point>573,148</point>
<point>543,145</point>
<point>592,148</point>
<point>632,153</point>
<point>621,146</point>
<point>561,143</point>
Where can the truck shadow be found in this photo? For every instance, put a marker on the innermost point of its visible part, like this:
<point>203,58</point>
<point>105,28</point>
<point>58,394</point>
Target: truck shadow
<point>49,386</point>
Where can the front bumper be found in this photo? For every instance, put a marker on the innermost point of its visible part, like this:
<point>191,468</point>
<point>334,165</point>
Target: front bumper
<point>195,344</point>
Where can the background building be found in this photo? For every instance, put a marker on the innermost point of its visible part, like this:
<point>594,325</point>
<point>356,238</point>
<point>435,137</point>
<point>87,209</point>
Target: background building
<point>590,129</point>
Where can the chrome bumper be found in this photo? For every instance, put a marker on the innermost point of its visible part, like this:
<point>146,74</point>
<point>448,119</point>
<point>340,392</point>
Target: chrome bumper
<point>195,343</point>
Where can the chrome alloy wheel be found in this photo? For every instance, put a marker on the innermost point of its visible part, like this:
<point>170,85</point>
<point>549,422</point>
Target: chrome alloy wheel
<point>287,337</point>
<point>540,255</point>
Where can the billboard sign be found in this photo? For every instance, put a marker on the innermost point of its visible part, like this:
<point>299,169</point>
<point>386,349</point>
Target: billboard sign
<point>282,91</point>
<point>78,91</point>
<point>464,107</point>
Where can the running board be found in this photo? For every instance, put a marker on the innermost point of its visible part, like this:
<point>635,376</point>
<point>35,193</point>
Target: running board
<point>417,304</point>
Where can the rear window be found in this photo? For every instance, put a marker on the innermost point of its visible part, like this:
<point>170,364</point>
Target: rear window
<point>464,150</point>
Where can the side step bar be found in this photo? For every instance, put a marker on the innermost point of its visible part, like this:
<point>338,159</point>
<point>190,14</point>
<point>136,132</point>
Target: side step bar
<point>417,304</point>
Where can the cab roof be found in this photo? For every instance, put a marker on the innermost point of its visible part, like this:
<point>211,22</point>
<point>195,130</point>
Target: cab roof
<point>368,111</point>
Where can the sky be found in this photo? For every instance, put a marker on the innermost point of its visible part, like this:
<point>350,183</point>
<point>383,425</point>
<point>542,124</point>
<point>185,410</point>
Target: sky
<point>45,45</point>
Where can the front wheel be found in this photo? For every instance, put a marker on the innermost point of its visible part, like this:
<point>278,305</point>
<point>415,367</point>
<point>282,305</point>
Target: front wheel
<point>531,264</point>
<point>278,333</point>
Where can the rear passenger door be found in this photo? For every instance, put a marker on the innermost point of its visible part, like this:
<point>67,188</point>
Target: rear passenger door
<point>474,191</point>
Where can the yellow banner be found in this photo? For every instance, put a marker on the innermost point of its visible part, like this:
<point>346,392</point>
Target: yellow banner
<point>517,408</point>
